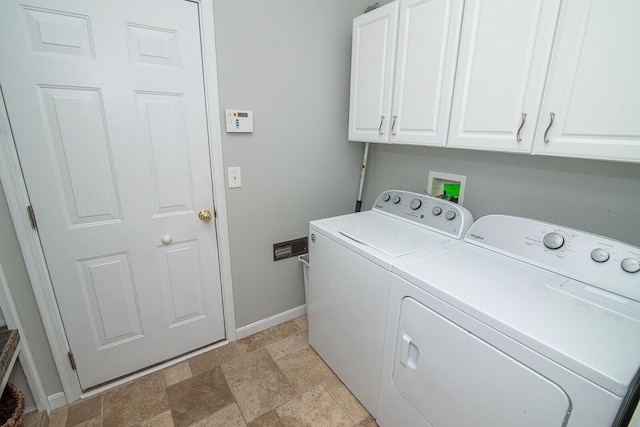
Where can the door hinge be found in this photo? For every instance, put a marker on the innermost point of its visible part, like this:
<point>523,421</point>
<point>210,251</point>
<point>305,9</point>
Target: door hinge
<point>32,217</point>
<point>72,360</point>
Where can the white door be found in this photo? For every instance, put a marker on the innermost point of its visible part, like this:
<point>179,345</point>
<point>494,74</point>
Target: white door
<point>428,37</point>
<point>504,52</point>
<point>372,58</point>
<point>106,104</point>
<point>593,87</point>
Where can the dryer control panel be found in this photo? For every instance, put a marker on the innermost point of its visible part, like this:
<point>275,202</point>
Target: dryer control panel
<point>598,261</point>
<point>431,212</point>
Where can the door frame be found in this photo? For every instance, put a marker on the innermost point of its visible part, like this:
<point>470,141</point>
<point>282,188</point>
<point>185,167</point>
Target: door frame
<point>18,199</point>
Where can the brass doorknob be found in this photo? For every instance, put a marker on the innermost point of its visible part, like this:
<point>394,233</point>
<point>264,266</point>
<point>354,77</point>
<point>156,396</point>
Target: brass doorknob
<point>204,215</point>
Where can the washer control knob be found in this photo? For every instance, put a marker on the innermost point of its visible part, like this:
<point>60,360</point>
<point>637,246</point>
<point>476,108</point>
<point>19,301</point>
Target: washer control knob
<point>386,197</point>
<point>415,204</point>
<point>599,255</point>
<point>437,210</point>
<point>553,240</point>
<point>630,265</point>
<point>396,200</point>
<point>450,215</point>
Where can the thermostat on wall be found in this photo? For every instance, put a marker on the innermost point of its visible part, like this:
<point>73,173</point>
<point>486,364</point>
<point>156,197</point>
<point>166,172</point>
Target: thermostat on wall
<point>239,120</point>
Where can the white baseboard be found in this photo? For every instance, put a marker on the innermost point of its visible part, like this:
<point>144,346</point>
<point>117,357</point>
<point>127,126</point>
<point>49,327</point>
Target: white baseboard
<point>57,400</point>
<point>274,320</point>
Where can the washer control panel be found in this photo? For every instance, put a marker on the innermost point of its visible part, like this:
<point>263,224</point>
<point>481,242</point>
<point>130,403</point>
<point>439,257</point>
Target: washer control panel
<point>595,260</point>
<point>431,212</point>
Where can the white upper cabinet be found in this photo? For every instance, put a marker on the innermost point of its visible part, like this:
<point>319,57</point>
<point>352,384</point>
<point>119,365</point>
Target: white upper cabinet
<point>404,97</point>
<point>550,77</point>
<point>428,39</point>
<point>593,87</point>
<point>504,53</point>
<point>372,58</point>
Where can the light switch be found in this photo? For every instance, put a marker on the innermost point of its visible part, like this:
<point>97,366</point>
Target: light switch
<point>234,177</point>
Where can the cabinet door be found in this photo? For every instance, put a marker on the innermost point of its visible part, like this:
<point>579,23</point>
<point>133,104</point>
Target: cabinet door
<point>593,86</point>
<point>504,53</point>
<point>373,54</point>
<point>428,37</point>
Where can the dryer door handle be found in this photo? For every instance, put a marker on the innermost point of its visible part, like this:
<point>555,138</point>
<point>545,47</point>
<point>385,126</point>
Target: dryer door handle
<point>409,352</point>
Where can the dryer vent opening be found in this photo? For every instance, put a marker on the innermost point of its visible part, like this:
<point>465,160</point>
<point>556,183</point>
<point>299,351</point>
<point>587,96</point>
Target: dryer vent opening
<point>290,248</point>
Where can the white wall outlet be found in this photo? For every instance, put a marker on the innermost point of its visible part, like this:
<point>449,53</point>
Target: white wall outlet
<point>438,181</point>
<point>234,177</point>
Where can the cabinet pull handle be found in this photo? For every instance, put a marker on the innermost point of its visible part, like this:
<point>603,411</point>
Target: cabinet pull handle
<point>524,119</point>
<point>393,125</point>
<point>380,127</point>
<point>546,132</point>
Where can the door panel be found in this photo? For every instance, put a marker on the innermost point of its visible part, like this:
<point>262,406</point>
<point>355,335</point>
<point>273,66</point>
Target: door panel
<point>153,46</point>
<point>112,304</point>
<point>106,103</point>
<point>162,117</point>
<point>58,32</point>
<point>184,289</point>
<point>78,141</point>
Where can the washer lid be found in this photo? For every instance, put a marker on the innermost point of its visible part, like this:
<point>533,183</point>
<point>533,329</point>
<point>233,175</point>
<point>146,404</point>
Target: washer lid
<point>383,233</point>
<point>588,331</point>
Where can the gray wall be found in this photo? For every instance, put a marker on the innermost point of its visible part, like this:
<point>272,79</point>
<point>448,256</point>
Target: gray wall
<point>597,196</point>
<point>289,62</point>
<point>20,286</point>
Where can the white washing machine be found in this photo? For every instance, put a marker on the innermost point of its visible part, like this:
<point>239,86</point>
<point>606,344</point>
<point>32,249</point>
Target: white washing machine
<point>350,259</point>
<point>523,324</point>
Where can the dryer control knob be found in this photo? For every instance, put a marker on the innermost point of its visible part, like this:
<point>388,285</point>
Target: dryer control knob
<point>553,240</point>
<point>415,204</point>
<point>437,210</point>
<point>450,215</point>
<point>630,265</point>
<point>396,200</point>
<point>386,197</point>
<point>599,255</point>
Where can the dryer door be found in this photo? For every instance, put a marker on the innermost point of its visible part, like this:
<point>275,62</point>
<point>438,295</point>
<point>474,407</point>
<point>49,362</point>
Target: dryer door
<point>452,378</point>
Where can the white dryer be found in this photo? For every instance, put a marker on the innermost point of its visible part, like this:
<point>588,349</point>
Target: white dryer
<point>350,259</point>
<point>523,324</point>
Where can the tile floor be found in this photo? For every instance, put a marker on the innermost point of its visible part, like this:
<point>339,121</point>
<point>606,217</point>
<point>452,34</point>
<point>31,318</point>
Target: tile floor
<point>272,378</point>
